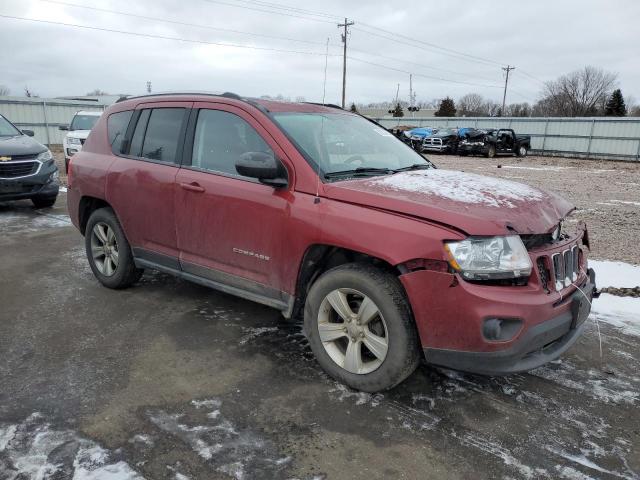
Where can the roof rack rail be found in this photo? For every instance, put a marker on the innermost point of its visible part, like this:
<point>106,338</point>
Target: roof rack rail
<point>330,105</point>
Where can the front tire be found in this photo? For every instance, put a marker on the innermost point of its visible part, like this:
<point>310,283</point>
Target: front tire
<point>108,251</point>
<point>491,152</point>
<point>360,328</point>
<point>522,151</point>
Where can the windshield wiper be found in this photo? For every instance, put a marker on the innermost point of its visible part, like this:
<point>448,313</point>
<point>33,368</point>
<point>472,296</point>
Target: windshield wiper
<point>415,166</point>
<point>360,171</point>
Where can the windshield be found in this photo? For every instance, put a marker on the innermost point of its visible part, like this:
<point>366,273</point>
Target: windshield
<point>7,129</point>
<point>341,143</point>
<point>445,133</point>
<point>83,122</point>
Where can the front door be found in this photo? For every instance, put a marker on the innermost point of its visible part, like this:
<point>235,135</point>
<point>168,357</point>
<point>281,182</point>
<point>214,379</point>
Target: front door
<point>230,229</point>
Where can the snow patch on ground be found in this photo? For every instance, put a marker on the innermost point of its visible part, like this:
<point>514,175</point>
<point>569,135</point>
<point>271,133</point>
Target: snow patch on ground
<point>34,449</point>
<point>238,452</point>
<point>251,333</point>
<point>615,274</point>
<point>620,312</point>
<point>540,169</point>
<point>461,187</point>
<point>341,393</point>
<point>606,388</point>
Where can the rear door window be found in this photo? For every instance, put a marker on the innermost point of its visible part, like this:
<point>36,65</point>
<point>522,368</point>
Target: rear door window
<point>117,124</point>
<point>163,134</point>
<point>138,133</point>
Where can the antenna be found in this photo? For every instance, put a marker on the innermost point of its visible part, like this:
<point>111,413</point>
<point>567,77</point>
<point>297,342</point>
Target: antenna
<point>326,60</point>
<point>324,90</point>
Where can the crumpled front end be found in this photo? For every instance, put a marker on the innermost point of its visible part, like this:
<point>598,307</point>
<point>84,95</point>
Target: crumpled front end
<point>498,328</point>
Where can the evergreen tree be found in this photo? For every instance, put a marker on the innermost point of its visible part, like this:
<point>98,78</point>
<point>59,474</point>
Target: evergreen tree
<point>615,105</point>
<point>447,108</point>
<point>397,111</point>
<point>353,108</point>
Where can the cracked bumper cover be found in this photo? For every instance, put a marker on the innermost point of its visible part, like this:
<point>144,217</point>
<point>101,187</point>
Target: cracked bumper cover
<point>451,336</point>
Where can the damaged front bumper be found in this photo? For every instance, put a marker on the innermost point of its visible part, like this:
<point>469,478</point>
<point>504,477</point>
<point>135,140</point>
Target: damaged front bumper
<point>500,329</point>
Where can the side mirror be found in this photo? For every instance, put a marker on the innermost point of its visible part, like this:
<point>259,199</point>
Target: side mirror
<point>263,166</point>
<point>63,128</point>
<point>28,133</point>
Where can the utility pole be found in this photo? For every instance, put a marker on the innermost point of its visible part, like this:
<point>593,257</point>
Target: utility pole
<point>346,25</point>
<point>506,81</point>
<point>411,93</point>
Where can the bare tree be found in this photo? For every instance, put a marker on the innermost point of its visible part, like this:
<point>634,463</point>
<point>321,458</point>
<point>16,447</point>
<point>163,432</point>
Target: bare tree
<point>518,110</point>
<point>580,93</point>
<point>29,93</point>
<point>471,105</point>
<point>4,90</point>
<point>97,93</point>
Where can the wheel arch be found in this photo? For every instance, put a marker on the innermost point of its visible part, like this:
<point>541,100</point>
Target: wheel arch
<point>318,258</point>
<point>86,207</point>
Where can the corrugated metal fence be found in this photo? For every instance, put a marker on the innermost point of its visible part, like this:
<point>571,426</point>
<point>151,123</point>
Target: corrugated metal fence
<point>597,137</point>
<point>44,115</point>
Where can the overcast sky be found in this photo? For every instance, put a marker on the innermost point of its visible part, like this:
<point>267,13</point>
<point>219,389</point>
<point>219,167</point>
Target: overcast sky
<point>543,39</point>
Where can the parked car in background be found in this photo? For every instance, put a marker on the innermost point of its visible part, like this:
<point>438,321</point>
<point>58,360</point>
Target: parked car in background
<point>78,129</point>
<point>417,135</point>
<point>27,168</point>
<point>495,142</point>
<point>443,141</point>
<point>387,258</point>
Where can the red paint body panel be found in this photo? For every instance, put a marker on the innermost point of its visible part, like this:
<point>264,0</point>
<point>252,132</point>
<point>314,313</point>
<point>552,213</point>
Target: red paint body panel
<point>365,216</point>
<point>450,312</point>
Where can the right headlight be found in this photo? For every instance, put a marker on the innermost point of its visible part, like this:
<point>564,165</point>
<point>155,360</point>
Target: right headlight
<point>489,258</point>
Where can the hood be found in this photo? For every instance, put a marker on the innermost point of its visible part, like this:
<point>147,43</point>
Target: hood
<point>82,134</point>
<point>20,145</point>
<point>475,204</point>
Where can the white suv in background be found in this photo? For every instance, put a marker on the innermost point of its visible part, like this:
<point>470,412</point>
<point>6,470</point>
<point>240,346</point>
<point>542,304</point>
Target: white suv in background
<point>81,125</point>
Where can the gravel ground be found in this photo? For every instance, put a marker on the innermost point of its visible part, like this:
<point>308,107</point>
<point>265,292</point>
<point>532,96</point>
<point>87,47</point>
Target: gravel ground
<point>605,193</point>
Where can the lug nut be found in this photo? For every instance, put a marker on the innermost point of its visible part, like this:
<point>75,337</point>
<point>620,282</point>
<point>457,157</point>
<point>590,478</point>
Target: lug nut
<point>361,334</point>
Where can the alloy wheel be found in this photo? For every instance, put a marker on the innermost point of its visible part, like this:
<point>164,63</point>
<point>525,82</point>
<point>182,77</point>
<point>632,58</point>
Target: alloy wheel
<point>104,249</point>
<point>353,331</point>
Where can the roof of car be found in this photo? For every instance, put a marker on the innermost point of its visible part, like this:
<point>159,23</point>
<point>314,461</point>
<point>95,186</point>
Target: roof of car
<point>261,103</point>
<point>89,112</point>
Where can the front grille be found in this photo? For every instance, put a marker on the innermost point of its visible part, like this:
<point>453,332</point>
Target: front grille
<point>433,141</point>
<point>544,274</point>
<point>18,169</point>
<point>566,267</point>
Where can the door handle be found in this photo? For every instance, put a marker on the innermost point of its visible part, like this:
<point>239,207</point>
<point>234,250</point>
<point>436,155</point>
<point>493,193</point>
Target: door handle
<point>192,187</point>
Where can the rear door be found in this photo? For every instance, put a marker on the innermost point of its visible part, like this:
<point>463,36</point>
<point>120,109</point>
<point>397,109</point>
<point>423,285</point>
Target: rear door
<point>141,181</point>
<point>231,229</point>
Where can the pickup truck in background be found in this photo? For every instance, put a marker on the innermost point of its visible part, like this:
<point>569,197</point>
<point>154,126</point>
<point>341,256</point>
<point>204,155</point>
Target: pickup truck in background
<point>494,142</point>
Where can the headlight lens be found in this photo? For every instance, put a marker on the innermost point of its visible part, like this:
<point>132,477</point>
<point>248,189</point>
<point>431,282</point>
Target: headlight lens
<point>489,258</point>
<point>45,156</point>
<point>73,141</point>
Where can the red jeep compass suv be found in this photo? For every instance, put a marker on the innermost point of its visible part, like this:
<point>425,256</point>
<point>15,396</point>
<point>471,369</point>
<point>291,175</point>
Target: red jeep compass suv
<point>317,211</point>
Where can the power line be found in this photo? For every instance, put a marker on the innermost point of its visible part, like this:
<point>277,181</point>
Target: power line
<point>449,51</point>
<point>422,75</point>
<point>184,24</point>
<point>163,37</point>
<point>269,11</point>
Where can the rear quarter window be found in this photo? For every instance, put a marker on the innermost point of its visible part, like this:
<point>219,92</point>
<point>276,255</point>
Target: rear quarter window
<point>117,124</point>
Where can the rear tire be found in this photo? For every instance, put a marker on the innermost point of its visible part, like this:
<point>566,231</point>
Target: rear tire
<point>383,334</point>
<point>108,251</point>
<point>522,151</point>
<point>43,202</point>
